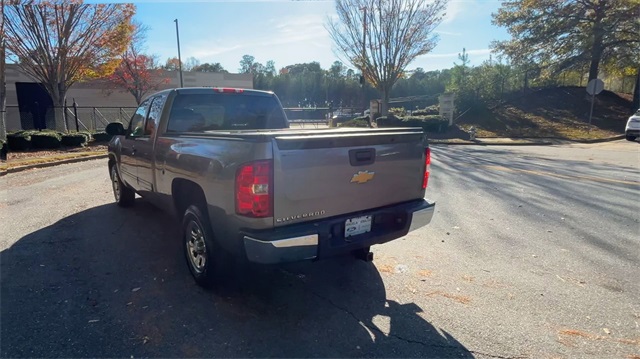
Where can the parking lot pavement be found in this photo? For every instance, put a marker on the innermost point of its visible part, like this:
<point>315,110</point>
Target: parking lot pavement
<point>533,252</point>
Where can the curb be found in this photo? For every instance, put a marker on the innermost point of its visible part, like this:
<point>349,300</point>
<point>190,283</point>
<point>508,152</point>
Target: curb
<point>51,164</point>
<point>541,142</point>
<point>491,143</point>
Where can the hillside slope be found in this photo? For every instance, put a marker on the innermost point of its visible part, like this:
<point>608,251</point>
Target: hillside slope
<point>553,112</point>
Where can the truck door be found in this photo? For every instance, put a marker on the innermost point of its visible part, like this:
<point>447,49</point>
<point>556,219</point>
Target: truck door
<point>145,145</point>
<point>128,154</point>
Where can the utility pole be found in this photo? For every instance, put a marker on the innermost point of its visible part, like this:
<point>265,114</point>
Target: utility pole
<point>179,58</point>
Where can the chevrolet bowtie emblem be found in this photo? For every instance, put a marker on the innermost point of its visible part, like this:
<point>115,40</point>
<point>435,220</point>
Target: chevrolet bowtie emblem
<point>362,177</point>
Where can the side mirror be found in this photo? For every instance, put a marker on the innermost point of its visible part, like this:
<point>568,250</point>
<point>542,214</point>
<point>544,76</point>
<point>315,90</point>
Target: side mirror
<point>115,129</point>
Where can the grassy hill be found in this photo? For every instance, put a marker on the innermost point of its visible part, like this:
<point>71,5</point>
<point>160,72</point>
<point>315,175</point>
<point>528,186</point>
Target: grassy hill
<point>554,112</point>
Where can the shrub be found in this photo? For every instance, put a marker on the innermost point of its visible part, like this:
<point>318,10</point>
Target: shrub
<point>428,123</point>
<point>431,123</point>
<point>389,121</point>
<point>19,140</point>
<point>102,136</point>
<point>46,139</point>
<point>74,139</point>
<point>398,111</point>
<point>3,150</point>
<point>431,110</point>
<point>356,122</point>
<point>86,134</point>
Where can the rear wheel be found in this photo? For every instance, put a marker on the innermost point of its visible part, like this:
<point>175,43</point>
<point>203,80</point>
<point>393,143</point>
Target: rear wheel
<point>631,138</point>
<point>207,261</point>
<point>124,195</point>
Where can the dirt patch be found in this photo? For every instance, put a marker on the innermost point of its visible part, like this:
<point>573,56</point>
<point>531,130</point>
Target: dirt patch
<point>566,334</point>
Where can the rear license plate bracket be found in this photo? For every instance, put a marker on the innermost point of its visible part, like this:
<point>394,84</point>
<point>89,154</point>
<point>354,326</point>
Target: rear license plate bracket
<point>357,225</point>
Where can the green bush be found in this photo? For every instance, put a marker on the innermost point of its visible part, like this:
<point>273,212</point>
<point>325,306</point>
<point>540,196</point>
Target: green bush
<point>389,121</point>
<point>356,122</point>
<point>86,134</point>
<point>398,111</point>
<point>431,110</point>
<point>431,123</point>
<point>46,139</point>
<point>19,140</point>
<point>3,149</point>
<point>102,136</point>
<point>74,139</point>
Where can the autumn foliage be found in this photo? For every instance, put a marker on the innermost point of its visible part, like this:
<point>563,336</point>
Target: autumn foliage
<point>61,42</point>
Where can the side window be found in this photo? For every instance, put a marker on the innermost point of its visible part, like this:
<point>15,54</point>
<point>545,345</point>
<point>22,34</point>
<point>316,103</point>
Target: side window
<point>136,126</point>
<point>154,114</point>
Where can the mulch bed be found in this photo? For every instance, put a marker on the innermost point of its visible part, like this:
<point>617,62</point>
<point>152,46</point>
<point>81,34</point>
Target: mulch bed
<point>12,156</point>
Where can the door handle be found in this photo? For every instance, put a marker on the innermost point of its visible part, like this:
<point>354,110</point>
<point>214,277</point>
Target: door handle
<point>362,157</point>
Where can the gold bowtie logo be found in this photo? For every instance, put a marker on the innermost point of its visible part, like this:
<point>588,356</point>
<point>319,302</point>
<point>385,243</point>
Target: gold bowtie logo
<point>362,177</point>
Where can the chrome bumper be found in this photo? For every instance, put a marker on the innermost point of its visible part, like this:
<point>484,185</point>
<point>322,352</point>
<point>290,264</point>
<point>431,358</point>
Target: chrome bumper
<point>421,218</point>
<point>283,250</point>
<point>297,243</point>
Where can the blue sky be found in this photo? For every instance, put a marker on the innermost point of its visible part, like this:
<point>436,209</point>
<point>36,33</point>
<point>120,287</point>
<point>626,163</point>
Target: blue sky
<point>290,32</point>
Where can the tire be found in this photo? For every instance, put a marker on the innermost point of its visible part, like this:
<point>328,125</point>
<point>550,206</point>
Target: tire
<point>208,263</point>
<point>631,138</point>
<point>124,195</point>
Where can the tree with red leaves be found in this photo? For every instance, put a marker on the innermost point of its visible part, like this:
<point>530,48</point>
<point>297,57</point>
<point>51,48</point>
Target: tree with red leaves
<point>138,73</point>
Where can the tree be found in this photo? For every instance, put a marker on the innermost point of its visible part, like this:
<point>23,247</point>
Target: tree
<point>568,34</point>
<point>247,64</point>
<point>137,73</point>
<point>190,64</point>
<point>395,33</point>
<point>3,85</point>
<point>173,64</point>
<point>60,43</point>
<point>210,67</point>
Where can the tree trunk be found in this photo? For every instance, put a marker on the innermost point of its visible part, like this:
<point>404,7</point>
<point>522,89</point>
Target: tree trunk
<point>598,39</point>
<point>3,95</point>
<point>59,117</point>
<point>384,106</point>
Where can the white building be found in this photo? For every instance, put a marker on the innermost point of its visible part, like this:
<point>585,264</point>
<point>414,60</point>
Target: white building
<point>30,106</point>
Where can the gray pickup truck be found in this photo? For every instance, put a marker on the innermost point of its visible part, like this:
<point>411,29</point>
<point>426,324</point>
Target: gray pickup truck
<point>247,187</point>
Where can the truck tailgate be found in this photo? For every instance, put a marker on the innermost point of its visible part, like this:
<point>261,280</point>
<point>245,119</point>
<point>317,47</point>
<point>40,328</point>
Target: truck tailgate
<point>324,175</point>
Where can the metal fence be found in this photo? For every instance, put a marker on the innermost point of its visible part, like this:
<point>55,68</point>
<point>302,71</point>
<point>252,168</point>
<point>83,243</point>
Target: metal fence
<point>96,118</point>
<point>81,117</point>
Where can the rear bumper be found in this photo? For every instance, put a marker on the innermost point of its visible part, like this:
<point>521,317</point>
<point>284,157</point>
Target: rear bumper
<point>325,238</point>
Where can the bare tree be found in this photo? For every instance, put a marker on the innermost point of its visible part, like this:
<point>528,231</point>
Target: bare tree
<point>382,37</point>
<point>60,43</point>
<point>3,84</point>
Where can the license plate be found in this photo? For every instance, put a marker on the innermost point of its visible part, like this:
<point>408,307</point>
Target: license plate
<point>358,225</point>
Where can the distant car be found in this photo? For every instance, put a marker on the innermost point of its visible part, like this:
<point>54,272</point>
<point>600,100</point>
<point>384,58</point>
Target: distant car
<point>632,130</point>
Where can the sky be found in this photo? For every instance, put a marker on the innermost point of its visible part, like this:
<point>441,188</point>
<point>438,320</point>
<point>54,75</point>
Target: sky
<point>290,32</point>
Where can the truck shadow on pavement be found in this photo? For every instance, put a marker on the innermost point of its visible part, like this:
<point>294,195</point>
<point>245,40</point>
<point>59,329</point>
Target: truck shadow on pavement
<point>112,282</point>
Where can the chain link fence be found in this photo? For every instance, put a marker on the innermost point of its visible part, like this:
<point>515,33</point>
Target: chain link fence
<point>83,118</point>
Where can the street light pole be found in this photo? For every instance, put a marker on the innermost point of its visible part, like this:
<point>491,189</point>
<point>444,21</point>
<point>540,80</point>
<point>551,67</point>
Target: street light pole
<point>179,58</point>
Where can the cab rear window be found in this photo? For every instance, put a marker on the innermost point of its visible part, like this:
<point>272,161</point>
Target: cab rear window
<point>228,112</point>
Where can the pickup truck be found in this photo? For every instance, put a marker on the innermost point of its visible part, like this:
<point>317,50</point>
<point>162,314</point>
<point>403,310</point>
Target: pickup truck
<point>246,187</point>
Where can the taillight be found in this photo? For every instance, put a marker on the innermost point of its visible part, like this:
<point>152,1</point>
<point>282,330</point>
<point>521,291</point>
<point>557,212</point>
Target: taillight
<point>427,167</point>
<point>227,90</point>
<point>254,193</point>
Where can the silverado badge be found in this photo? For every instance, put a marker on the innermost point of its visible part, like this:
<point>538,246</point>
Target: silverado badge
<point>362,177</point>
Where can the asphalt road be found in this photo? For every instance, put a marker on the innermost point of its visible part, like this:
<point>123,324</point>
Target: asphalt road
<point>534,252</point>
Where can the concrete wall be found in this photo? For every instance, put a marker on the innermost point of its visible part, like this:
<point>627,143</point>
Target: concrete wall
<point>96,93</point>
